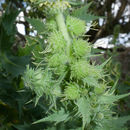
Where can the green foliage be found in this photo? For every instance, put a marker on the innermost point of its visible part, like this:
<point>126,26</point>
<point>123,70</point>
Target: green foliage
<point>80,69</point>
<point>116,33</point>
<point>73,26</point>
<point>82,92</point>
<point>109,99</point>
<point>60,88</point>
<point>82,13</point>
<point>84,109</point>
<point>57,41</point>
<point>13,108</point>
<point>81,48</point>
<point>7,29</point>
<point>37,24</point>
<point>115,124</point>
<point>39,81</point>
<point>72,91</point>
<point>11,63</point>
<point>57,117</point>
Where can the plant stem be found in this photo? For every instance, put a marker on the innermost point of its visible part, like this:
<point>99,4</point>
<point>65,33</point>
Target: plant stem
<point>62,27</point>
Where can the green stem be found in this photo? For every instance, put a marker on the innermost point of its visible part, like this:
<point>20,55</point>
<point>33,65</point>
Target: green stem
<point>62,27</point>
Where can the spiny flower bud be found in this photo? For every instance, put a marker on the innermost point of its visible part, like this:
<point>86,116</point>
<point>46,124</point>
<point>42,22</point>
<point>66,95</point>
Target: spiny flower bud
<point>80,69</point>
<point>57,41</point>
<point>100,116</point>
<point>37,80</point>
<point>72,91</point>
<point>53,8</point>
<point>100,90</point>
<point>76,27</point>
<point>57,60</point>
<point>33,79</point>
<point>81,47</point>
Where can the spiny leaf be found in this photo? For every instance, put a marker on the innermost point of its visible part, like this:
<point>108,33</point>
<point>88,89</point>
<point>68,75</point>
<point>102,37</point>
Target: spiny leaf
<point>84,109</point>
<point>109,99</point>
<point>27,50</point>
<point>114,86</point>
<point>103,64</point>
<point>82,13</point>
<point>114,124</point>
<point>120,122</point>
<point>8,29</point>
<point>91,81</point>
<point>37,24</point>
<point>13,64</point>
<point>57,117</point>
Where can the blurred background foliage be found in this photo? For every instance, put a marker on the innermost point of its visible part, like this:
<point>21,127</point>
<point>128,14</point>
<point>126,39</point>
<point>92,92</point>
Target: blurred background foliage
<point>15,110</point>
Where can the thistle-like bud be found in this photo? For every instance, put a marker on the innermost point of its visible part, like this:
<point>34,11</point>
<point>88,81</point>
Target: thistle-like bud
<point>81,47</point>
<point>72,92</point>
<point>58,62</point>
<point>57,41</point>
<point>52,7</point>
<point>37,80</point>
<point>80,69</point>
<point>76,27</point>
<point>100,116</point>
<point>33,80</point>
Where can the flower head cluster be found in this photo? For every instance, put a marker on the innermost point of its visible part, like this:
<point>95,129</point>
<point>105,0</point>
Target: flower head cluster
<point>52,7</point>
<point>78,85</point>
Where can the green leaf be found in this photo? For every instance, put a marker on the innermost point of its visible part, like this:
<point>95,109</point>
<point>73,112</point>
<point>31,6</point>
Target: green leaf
<point>57,117</point>
<point>29,47</point>
<point>114,86</point>
<point>114,124</point>
<point>14,64</point>
<point>91,81</point>
<point>120,122</point>
<point>37,24</point>
<point>8,29</point>
<point>82,13</point>
<point>81,10</point>
<point>84,109</point>
<point>109,99</point>
<point>103,64</point>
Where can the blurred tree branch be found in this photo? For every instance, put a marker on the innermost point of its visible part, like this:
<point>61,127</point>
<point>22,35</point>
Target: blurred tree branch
<point>110,22</point>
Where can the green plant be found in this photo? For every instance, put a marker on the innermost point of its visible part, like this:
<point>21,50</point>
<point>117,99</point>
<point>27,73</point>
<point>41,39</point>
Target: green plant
<point>74,90</point>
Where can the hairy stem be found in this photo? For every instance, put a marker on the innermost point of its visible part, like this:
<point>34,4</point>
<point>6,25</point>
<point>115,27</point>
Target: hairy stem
<point>62,27</point>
